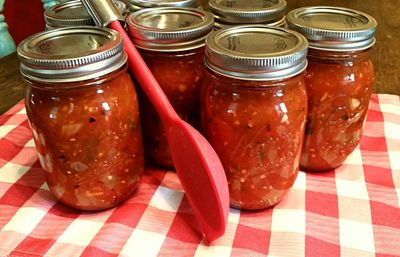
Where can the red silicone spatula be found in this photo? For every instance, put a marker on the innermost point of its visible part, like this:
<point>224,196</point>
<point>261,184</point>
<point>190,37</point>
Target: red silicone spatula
<point>197,165</point>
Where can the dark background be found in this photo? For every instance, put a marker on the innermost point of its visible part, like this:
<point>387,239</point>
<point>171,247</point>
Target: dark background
<point>386,51</point>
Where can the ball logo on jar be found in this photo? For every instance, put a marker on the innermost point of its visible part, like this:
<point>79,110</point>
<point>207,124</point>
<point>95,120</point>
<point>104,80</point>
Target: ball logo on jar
<point>280,44</point>
<point>45,48</point>
<point>233,42</point>
<point>351,22</point>
<point>306,19</point>
<point>185,24</point>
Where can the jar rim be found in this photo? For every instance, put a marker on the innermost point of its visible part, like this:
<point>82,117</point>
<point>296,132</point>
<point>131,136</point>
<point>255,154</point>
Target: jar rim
<point>275,23</point>
<point>163,3</point>
<point>256,52</point>
<point>54,18</point>
<point>333,28</point>
<point>240,12</point>
<point>169,29</point>
<point>71,54</point>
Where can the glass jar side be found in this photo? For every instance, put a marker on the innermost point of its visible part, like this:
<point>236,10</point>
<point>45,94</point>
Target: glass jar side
<point>88,138</point>
<point>257,129</point>
<point>180,75</point>
<point>339,86</point>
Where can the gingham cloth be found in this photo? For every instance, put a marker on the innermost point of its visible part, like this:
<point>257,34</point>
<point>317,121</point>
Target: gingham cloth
<point>351,211</point>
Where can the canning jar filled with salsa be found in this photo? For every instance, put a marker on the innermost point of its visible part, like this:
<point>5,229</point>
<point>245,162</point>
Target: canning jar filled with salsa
<point>232,13</point>
<point>171,41</point>
<point>254,107</point>
<point>67,14</point>
<point>339,80</point>
<point>83,111</point>
<point>72,13</point>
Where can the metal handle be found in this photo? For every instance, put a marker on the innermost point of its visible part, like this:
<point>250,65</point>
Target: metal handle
<point>103,12</point>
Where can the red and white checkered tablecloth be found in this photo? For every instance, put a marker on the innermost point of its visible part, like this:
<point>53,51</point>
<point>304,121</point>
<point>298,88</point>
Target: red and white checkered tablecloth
<point>352,211</point>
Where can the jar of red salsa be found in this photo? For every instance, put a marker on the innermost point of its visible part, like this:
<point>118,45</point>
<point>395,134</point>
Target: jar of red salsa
<point>339,81</point>
<point>67,14</point>
<point>171,41</point>
<point>240,12</point>
<point>83,111</point>
<point>254,107</point>
<point>72,13</point>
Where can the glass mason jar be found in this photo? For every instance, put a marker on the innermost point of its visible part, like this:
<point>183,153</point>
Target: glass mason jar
<point>232,13</point>
<point>72,14</point>
<point>136,5</point>
<point>171,41</point>
<point>254,107</point>
<point>83,111</point>
<point>339,80</point>
<point>67,14</point>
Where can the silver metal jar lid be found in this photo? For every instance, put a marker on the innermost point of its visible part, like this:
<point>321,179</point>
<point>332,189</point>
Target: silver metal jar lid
<point>247,11</point>
<point>136,5</point>
<point>256,52</point>
<point>71,54</point>
<point>333,28</point>
<point>169,29</point>
<point>278,23</point>
<point>67,14</point>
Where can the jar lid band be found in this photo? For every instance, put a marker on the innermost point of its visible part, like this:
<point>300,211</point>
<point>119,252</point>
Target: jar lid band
<point>247,11</point>
<point>256,52</point>
<point>333,28</point>
<point>169,29</point>
<point>71,54</point>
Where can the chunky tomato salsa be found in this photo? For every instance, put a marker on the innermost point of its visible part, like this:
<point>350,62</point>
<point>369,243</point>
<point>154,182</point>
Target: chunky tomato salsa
<point>257,130</point>
<point>339,88</point>
<point>88,137</point>
<point>180,75</point>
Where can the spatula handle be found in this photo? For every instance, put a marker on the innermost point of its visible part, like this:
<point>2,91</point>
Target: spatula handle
<point>146,79</point>
<point>105,13</point>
